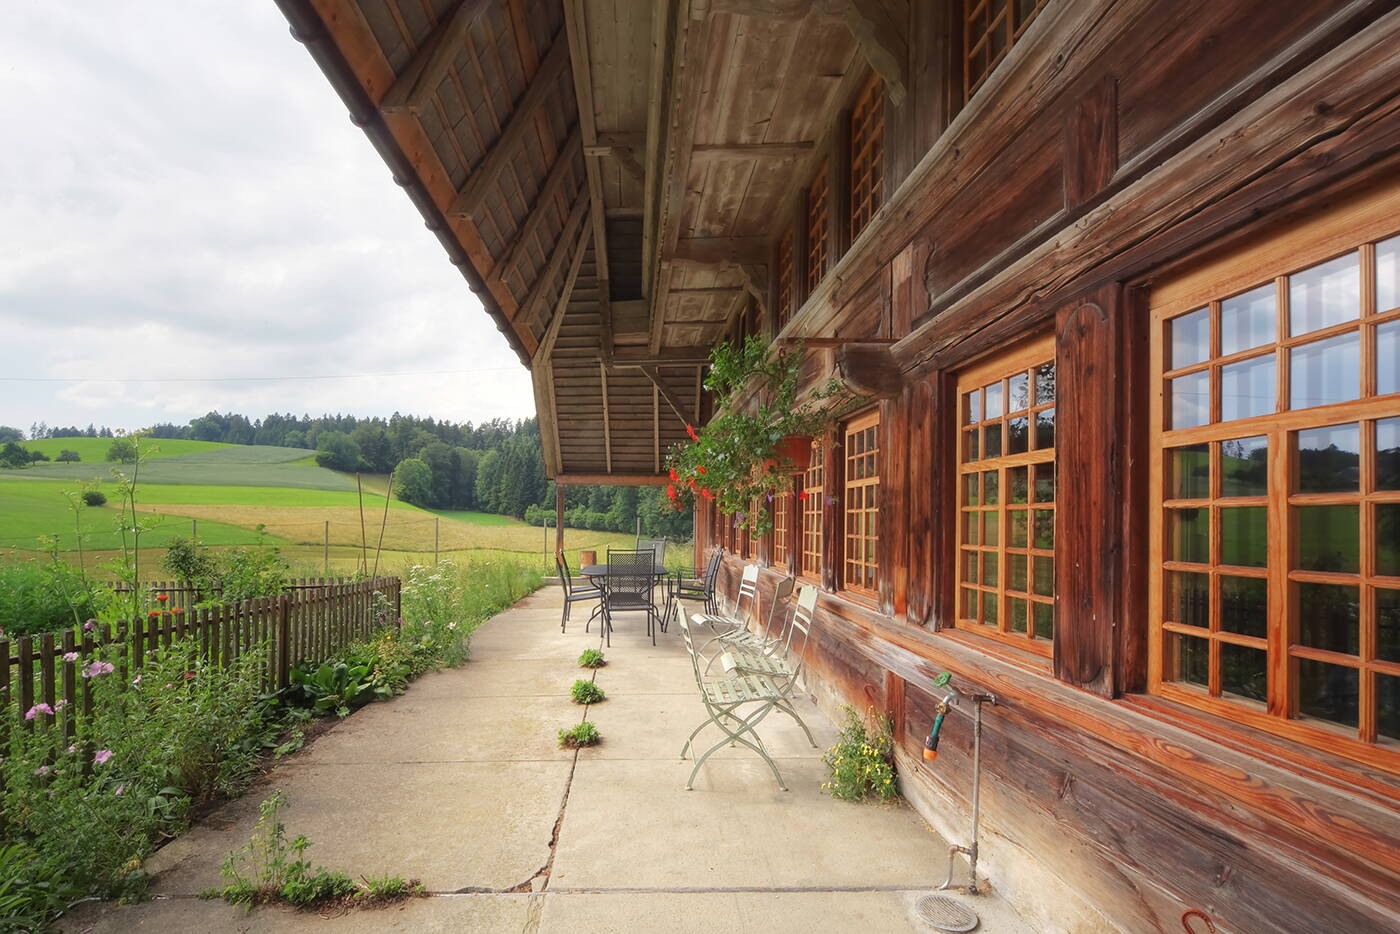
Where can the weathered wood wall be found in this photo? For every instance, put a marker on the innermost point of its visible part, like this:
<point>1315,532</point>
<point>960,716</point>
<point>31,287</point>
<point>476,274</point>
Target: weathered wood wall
<point>1117,139</point>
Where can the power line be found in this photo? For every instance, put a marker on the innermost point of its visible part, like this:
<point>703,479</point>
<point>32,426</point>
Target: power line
<point>249,379</point>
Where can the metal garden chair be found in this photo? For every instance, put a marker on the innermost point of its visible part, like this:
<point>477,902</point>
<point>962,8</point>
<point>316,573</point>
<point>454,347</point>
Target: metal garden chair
<point>770,637</point>
<point>573,594</point>
<point>723,699</point>
<point>745,606</point>
<point>781,661</point>
<point>689,587</point>
<point>628,586</point>
<point>667,583</point>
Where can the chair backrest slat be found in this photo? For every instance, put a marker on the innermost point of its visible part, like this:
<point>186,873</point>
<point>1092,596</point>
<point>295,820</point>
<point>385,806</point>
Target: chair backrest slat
<point>566,579</point>
<point>781,592</point>
<point>657,546</point>
<point>630,571</point>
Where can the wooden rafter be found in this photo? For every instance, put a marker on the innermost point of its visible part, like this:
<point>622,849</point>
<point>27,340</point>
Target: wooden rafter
<point>720,151</point>
<point>878,31</point>
<point>718,251</point>
<point>576,31</point>
<point>607,421</point>
<point>522,121</point>
<point>410,91</point>
<point>570,234</point>
<point>561,307</point>
<point>676,403</point>
<point>543,202</point>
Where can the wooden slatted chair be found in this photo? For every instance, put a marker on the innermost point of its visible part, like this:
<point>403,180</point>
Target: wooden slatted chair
<point>724,700</point>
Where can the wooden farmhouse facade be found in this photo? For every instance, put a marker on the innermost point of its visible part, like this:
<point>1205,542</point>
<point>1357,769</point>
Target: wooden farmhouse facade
<point>1120,283</point>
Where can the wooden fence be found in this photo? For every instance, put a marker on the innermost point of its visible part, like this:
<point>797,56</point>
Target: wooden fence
<point>182,595</point>
<point>309,622</point>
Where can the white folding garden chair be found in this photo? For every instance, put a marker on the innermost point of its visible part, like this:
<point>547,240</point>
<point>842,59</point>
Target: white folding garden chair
<point>723,699</point>
<point>745,606</point>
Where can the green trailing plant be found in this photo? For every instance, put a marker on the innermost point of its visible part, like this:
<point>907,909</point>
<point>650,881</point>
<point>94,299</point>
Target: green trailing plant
<point>272,868</point>
<point>862,761</point>
<point>32,892</point>
<point>591,658</point>
<point>736,458</point>
<point>586,692</point>
<point>585,734</point>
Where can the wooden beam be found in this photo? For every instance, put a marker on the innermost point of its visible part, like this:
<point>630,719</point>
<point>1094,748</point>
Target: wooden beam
<point>542,379</point>
<point>879,28</point>
<point>607,421</point>
<point>870,370</point>
<point>674,358</point>
<point>676,403</point>
<point>521,121</point>
<point>543,202</point>
<point>656,428</point>
<point>576,32</point>
<point>412,87</point>
<point>712,290</point>
<point>611,479</point>
<point>719,151</point>
<point>754,277</point>
<point>717,251</point>
<point>623,154</point>
<point>561,307</point>
<point>558,518</point>
<point>570,234</point>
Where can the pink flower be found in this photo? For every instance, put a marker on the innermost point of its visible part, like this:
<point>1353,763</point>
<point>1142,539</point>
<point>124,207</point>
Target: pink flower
<point>42,770</point>
<point>37,709</point>
<point>121,789</point>
<point>70,656</point>
<point>136,680</point>
<point>73,748</point>
<point>97,669</point>
<point>90,625</point>
<point>60,704</point>
<point>102,756</point>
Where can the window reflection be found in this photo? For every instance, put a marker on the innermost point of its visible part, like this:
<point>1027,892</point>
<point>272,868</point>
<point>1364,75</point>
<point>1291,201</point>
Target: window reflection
<point>1248,320</point>
<point>1190,400</point>
<point>1326,372</point>
<point>1244,467</point>
<point>1327,294</point>
<point>1190,338</point>
<point>1247,388</point>
<point>1329,459</point>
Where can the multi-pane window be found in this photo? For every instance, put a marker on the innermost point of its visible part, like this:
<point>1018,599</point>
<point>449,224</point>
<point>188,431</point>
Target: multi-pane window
<point>782,549</point>
<point>867,155</point>
<point>787,294</point>
<point>1276,487</point>
<point>989,29</point>
<point>816,259</point>
<point>862,502</point>
<point>811,500</point>
<point>1006,497</point>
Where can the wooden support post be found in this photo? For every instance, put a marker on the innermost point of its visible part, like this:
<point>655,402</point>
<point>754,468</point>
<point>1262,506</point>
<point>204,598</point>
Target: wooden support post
<point>558,519</point>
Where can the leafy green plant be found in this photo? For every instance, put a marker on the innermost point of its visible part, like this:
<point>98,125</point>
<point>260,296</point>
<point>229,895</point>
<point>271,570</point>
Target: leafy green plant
<point>862,761</point>
<point>94,498</point>
<point>331,687</point>
<point>585,734</point>
<point>31,893</point>
<point>271,868</point>
<point>586,692</point>
<point>734,458</point>
<point>591,658</point>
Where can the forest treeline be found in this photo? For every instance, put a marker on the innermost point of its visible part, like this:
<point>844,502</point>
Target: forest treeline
<point>495,466</point>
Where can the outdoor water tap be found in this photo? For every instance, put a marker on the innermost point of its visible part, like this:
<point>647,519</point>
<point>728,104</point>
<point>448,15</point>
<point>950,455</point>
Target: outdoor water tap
<point>948,699</point>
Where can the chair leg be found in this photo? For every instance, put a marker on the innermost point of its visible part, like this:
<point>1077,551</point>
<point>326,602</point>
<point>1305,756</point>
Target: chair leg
<point>564,620</point>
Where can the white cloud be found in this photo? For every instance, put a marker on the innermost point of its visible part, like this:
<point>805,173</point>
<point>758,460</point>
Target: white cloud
<point>182,195</point>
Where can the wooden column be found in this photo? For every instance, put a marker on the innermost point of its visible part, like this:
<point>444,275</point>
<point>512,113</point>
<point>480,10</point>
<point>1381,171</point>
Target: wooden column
<point>922,479</point>
<point>834,529</point>
<point>893,523</point>
<point>1088,530</point>
<point>558,518</point>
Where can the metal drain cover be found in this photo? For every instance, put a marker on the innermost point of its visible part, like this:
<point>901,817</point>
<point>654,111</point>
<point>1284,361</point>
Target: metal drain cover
<point>946,913</point>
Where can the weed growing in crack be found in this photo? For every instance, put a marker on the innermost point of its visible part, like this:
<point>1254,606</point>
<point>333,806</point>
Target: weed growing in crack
<point>585,734</point>
<point>591,658</point>
<point>586,692</point>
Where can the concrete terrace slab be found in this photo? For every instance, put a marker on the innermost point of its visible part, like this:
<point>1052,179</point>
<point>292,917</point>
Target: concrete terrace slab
<point>459,783</point>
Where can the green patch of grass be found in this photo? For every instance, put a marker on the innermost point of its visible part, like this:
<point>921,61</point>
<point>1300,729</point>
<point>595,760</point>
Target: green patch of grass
<point>591,658</point>
<point>585,734</point>
<point>218,465</point>
<point>35,508</point>
<point>198,494</point>
<point>95,449</point>
<point>586,692</point>
<point>477,518</point>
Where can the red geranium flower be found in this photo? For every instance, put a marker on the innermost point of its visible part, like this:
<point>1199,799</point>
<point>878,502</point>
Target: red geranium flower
<point>674,476</point>
<point>162,597</point>
<point>690,430</point>
<point>179,609</point>
<point>154,614</point>
<point>802,495</point>
<point>701,468</point>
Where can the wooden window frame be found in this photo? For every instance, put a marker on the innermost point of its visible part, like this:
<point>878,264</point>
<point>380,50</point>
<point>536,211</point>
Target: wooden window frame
<point>786,284</point>
<point>782,549</point>
<point>860,500</point>
<point>1350,226</point>
<point>867,156</point>
<point>815,220</point>
<point>1025,358</point>
<point>811,501</point>
<point>1008,18</point>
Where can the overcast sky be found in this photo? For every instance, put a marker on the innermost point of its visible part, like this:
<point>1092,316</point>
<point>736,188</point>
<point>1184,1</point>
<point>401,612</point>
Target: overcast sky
<point>183,195</point>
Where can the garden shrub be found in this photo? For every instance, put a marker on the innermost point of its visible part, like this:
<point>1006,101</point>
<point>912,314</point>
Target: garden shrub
<point>42,596</point>
<point>67,456</point>
<point>178,731</point>
<point>94,498</point>
<point>862,761</point>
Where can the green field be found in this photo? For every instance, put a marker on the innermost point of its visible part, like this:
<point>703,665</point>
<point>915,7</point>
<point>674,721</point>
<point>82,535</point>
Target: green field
<point>94,450</point>
<point>226,493</point>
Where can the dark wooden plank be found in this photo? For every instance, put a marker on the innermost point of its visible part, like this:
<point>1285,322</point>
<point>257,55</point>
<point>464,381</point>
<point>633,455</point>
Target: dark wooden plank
<point>1087,528</point>
<point>1091,142</point>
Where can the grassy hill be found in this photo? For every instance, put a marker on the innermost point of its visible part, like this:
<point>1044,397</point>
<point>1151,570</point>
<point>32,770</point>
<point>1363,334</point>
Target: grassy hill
<point>231,491</point>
